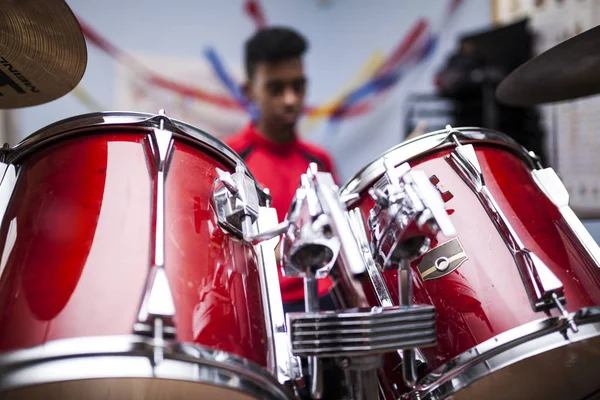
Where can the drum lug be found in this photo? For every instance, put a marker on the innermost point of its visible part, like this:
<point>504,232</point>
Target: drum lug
<point>157,304</point>
<point>235,198</point>
<point>156,315</point>
<point>541,284</point>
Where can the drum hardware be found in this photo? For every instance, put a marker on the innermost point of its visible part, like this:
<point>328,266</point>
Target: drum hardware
<point>4,150</point>
<point>237,207</point>
<point>537,162</point>
<point>379,287</point>
<point>156,317</point>
<point>357,338</point>
<point>446,195</point>
<point>358,227</point>
<point>236,201</point>
<point>543,287</point>
<point>316,233</point>
<point>288,366</point>
<point>309,246</point>
<point>349,199</point>
<point>312,243</point>
<point>408,210</point>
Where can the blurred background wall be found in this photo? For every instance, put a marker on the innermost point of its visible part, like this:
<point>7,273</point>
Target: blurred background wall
<point>346,38</point>
<point>186,57</point>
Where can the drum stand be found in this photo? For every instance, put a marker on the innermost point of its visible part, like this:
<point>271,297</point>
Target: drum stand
<point>408,211</point>
<point>316,233</point>
<point>318,230</point>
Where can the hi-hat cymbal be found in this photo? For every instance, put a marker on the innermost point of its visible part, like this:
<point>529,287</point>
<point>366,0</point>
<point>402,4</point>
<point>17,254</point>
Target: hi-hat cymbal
<point>567,71</point>
<point>42,52</point>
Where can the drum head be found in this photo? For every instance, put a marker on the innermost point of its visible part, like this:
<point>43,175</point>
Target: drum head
<point>125,388</point>
<point>567,372</point>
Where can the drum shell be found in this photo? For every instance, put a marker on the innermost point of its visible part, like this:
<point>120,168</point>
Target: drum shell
<point>77,237</point>
<point>485,296</point>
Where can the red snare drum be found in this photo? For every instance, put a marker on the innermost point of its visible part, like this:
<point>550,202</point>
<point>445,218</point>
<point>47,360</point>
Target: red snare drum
<point>497,336</point>
<point>80,236</point>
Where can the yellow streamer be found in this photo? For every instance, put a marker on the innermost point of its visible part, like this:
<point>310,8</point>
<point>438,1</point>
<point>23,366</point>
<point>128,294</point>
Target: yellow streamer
<point>365,73</point>
<point>87,99</point>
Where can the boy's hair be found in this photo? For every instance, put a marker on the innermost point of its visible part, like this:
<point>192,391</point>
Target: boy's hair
<point>271,45</point>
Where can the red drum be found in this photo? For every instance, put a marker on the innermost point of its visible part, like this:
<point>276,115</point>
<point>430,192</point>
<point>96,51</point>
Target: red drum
<point>109,217</point>
<point>520,255</point>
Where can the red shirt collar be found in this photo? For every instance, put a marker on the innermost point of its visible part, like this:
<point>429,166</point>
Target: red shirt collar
<point>255,136</point>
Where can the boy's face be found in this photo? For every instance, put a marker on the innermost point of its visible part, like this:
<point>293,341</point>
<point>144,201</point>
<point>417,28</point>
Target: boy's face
<point>278,89</point>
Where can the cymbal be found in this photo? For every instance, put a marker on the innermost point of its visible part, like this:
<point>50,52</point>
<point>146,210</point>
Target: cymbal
<point>43,54</point>
<point>567,71</point>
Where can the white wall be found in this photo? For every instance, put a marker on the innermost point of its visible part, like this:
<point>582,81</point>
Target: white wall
<point>342,36</point>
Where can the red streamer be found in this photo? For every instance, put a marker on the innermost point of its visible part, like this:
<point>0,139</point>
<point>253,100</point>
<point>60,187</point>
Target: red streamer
<point>189,91</point>
<point>255,11</point>
<point>405,45</point>
<point>185,90</point>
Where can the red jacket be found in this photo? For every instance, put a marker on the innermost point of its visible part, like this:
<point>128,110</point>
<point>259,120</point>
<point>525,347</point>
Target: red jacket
<point>278,167</point>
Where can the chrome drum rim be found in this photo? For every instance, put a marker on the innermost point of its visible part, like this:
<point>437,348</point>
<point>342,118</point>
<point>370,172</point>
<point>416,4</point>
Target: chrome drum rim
<point>90,124</point>
<point>118,119</point>
<point>125,119</point>
<point>424,144</point>
<point>132,356</point>
<point>505,350</point>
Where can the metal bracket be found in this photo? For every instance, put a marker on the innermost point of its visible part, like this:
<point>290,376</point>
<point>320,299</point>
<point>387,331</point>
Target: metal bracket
<point>362,332</point>
<point>235,198</point>
<point>287,366</point>
<point>379,286</point>
<point>408,210</point>
<point>156,316</point>
<point>310,245</point>
<point>446,195</point>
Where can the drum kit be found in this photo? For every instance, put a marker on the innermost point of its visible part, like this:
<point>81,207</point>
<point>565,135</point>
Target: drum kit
<point>138,255</point>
